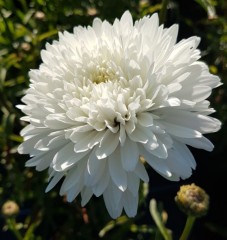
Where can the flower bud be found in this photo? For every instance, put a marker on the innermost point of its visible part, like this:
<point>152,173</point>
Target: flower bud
<point>25,46</point>
<point>10,208</point>
<point>192,200</point>
<point>40,15</point>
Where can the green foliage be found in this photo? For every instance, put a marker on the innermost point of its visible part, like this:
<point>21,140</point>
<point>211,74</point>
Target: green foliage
<point>25,27</point>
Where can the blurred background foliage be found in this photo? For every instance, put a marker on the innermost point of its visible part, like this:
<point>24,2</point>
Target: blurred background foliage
<point>25,27</point>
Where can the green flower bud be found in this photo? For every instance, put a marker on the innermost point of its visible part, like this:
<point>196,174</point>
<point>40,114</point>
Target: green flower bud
<point>192,200</point>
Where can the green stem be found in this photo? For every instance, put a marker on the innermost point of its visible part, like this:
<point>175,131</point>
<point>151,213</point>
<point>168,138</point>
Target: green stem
<point>188,227</point>
<point>12,225</point>
<point>162,14</point>
<point>158,221</point>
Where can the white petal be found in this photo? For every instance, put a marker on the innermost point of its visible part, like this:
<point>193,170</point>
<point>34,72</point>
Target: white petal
<point>133,183</point>
<point>130,203</point>
<point>173,102</point>
<point>93,164</point>
<point>140,134</point>
<point>97,26</point>
<point>191,120</point>
<point>108,144</point>
<point>66,157</point>
<point>116,170</point>
<point>160,151</point>
<point>126,20</point>
<point>73,192</point>
<point>54,121</point>
<point>86,194</point>
<point>45,161</point>
<point>180,131</point>
<point>95,169</point>
<point>179,164</point>
<point>83,144</point>
<point>50,142</point>
<point>200,143</point>
<point>31,130</point>
<point>44,158</point>
<point>102,184</point>
<point>129,155</point>
<point>122,136</point>
<point>200,93</point>
<point>96,139</point>
<point>185,152</point>
<point>28,144</point>
<point>130,127</point>
<point>57,177</point>
<point>152,143</point>
<point>73,177</point>
<point>158,164</point>
<point>113,208</point>
<point>141,172</point>
<point>145,119</point>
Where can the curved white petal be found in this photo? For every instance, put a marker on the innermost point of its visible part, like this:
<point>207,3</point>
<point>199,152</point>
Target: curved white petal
<point>130,203</point>
<point>107,145</point>
<point>102,184</point>
<point>133,183</point>
<point>112,199</point>
<point>141,172</point>
<point>66,157</point>
<point>129,155</point>
<point>86,194</point>
<point>116,170</point>
<point>57,177</point>
<point>95,169</point>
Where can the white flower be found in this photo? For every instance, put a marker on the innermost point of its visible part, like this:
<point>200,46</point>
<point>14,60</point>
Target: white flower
<point>108,94</point>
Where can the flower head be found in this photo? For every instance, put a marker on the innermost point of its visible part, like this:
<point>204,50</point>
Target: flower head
<point>106,95</point>
<point>192,200</point>
<point>10,208</point>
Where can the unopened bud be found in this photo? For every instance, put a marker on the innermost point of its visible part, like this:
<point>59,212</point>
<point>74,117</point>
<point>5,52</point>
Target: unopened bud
<point>192,200</point>
<point>92,11</point>
<point>40,15</point>
<point>25,46</point>
<point>10,208</point>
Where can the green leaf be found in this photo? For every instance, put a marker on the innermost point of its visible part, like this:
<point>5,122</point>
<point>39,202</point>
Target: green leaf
<point>47,35</point>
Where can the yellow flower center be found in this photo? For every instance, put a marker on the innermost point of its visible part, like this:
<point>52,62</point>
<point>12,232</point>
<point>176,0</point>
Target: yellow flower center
<point>102,75</point>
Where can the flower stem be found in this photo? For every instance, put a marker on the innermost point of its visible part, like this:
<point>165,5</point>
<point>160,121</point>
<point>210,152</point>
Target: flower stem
<point>12,225</point>
<point>162,14</point>
<point>188,227</point>
<point>158,221</point>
